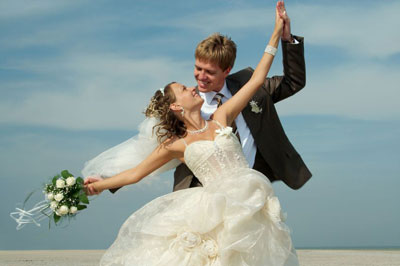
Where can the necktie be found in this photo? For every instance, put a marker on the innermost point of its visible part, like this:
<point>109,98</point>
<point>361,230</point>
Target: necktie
<point>218,97</point>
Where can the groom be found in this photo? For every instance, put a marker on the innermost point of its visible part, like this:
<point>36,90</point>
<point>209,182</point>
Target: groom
<point>264,142</point>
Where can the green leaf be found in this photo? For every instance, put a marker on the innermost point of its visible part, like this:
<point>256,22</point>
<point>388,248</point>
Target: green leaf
<point>56,218</point>
<point>81,207</point>
<point>66,174</point>
<point>79,180</point>
<point>54,180</point>
<point>83,198</point>
<point>76,194</point>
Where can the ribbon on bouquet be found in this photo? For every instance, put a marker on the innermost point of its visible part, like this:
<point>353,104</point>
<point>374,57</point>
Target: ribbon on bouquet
<point>40,211</point>
<point>64,197</point>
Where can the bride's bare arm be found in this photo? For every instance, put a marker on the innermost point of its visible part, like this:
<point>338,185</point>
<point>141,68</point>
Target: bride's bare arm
<point>231,109</point>
<point>164,153</point>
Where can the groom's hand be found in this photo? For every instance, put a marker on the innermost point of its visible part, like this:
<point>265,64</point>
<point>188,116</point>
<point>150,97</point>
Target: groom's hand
<point>286,34</point>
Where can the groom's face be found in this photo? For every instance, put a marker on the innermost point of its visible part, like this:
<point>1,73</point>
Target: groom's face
<point>209,76</point>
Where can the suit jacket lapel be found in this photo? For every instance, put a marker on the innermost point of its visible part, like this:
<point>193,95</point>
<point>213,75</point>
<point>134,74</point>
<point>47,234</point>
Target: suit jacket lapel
<point>233,87</point>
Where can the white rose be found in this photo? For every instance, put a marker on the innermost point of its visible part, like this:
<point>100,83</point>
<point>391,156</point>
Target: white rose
<point>53,205</point>
<point>73,209</point>
<point>50,196</point>
<point>60,183</point>
<point>63,210</point>
<point>59,197</point>
<point>210,248</point>
<point>189,240</point>
<point>71,181</point>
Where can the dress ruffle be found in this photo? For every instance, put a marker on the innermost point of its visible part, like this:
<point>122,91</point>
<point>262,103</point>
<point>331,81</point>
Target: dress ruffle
<point>234,220</point>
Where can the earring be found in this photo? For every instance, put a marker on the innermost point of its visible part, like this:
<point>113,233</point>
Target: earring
<point>183,111</point>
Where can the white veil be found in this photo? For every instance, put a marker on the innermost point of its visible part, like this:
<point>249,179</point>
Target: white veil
<point>128,154</point>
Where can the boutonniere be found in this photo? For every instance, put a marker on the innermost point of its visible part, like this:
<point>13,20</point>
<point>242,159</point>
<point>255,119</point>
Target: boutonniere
<point>255,108</point>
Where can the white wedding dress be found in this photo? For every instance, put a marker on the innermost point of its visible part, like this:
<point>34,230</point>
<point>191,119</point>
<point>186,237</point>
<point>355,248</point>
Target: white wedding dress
<point>233,220</point>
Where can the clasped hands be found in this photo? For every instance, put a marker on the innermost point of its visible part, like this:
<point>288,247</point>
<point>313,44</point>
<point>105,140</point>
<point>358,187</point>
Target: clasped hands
<point>282,14</point>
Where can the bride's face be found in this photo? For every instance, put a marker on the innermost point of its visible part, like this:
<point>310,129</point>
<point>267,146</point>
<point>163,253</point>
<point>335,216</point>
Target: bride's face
<point>186,97</point>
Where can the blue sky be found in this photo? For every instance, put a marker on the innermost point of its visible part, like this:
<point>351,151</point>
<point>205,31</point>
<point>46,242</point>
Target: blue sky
<point>75,76</point>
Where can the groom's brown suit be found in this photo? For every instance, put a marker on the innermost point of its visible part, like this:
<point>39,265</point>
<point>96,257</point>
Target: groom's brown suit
<point>276,157</point>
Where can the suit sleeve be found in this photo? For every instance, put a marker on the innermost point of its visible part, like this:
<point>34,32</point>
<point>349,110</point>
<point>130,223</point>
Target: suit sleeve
<point>294,72</point>
<point>113,190</point>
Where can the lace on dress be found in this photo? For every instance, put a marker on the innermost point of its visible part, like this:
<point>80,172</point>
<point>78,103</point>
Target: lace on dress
<point>223,156</point>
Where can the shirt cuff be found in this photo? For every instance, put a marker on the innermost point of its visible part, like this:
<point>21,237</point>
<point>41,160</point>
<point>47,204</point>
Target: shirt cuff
<point>295,41</point>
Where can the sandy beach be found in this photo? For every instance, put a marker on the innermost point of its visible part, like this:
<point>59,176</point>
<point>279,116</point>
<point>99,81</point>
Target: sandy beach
<point>306,257</point>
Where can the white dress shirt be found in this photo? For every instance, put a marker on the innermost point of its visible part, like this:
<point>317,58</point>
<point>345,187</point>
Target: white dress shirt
<point>210,106</point>
<point>247,140</point>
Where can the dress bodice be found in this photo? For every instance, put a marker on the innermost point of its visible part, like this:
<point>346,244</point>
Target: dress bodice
<point>210,159</point>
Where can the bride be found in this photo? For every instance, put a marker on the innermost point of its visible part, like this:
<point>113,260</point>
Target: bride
<point>234,219</point>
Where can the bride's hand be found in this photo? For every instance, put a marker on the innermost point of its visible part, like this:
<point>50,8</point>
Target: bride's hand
<point>88,183</point>
<point>92,179</point>
<point>90,190</point>
<point>279,21</point>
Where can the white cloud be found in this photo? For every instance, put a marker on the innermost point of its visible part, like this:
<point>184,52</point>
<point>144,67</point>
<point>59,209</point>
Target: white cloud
<point>92,91</point>
<point>352,90</point>
<point>70,33</point>
<point>363,30</point>
<point>17,9</point>
<point>226,20</point>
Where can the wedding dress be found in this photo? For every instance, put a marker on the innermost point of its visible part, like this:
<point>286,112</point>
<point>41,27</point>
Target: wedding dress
<point>233,220</point>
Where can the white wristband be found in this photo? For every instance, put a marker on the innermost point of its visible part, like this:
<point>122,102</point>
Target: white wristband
<point>271,50</point>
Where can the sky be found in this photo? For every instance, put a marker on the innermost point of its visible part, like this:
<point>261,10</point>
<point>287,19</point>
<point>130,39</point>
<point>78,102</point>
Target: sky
<point>75,77</point>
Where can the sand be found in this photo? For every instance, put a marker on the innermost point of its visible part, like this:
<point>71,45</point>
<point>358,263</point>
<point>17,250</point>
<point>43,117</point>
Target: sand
<point>50,257</point>
<point>349,257</point>
<point>306,257</point>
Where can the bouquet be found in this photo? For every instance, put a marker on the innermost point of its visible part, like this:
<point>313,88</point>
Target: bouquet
<point>64,197</point>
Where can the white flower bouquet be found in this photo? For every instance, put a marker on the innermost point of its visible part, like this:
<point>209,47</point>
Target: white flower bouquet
<point>64,197</point>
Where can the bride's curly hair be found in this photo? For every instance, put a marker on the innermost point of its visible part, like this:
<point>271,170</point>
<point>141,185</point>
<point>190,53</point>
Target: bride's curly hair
<point>159,107</point>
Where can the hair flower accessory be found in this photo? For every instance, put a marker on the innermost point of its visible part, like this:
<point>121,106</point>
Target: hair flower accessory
<point>162,91</point>
<point>255,108</point>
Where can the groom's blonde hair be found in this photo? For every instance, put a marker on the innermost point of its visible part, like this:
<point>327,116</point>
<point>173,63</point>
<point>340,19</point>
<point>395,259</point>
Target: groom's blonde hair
<point>218,49</point>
